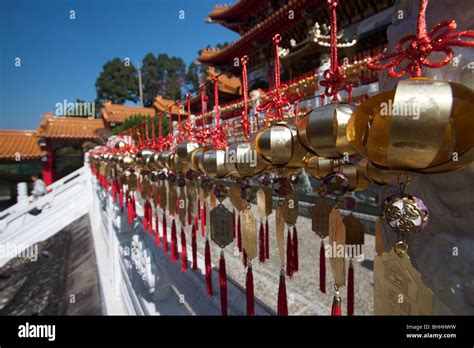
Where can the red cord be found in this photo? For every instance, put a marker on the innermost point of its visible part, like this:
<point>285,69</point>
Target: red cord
<point>334,79</point>
<point>418,48</point>
<point>245,116</point>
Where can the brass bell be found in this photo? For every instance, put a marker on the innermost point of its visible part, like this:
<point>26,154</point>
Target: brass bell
<point>142,156</point>
<point>242,161</point>
<point>323,130</point>
<point>418,127</point>
<point>184,153</point>
<point>373,173</point>
<point>196,157</point>
<point>279,145</point>
<point>213,163</point>
<point>320,168</point>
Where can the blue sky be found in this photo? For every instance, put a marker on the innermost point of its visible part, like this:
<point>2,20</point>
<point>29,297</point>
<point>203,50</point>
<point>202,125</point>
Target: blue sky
<point>61,58</point>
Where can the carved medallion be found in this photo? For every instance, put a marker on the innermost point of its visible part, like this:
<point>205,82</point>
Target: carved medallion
<point>221,226</point>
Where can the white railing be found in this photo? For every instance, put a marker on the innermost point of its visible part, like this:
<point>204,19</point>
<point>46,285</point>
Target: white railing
<point>66,201</point>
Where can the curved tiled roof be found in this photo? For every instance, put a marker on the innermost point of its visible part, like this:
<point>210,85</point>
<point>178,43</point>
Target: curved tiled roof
<point>119,113</point>
<point>279,21</point>
<point>19,142</point>
<point>237,10</point>
<point>56,127</point>
<point>226,84</point>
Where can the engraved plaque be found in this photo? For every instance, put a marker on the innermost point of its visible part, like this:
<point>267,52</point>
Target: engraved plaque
<point>145,187</point>
<point>379,248</point>
<point>182,206</point>
<point>221,226</point>
<point>235,199</point>
<point>264,201</point>
<point>398,288</point>
<point>290,208</point>
<point>156,194</point>
<point>337,238</point>
<point>280,233</point>
<point>191,194</point>
<point>354,230</point>
<point>249,233</point>
<point>320,218</point>
<point>163,195</point>
<point>172,197</point>
<point>132,182</point>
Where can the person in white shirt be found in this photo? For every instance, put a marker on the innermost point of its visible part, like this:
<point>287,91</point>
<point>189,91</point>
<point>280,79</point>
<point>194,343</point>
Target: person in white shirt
<point>39,187</point>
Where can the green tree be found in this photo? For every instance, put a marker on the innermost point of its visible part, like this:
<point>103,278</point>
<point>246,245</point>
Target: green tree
<point>117,82</point>
<point>193,77</point>
<point>136,120</point>
<point>162,75</point>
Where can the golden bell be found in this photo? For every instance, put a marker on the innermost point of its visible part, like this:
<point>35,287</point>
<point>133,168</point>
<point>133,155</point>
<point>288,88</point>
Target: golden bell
<point>196,157</point>
<point>142,156</point>
<point>127,161</point>
<point>213,163</point>
<point>279,145</point>
<point>319,168</point>
<point>418,127</point>
<point>184,153</point>
<point>323,130</point>
<point>242,161</point>
<point>373,173</point>
<point>166,159</point>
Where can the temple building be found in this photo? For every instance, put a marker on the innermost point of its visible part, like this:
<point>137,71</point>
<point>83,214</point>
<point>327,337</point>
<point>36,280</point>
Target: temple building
<point>116,114</point>
<point>304,48</point>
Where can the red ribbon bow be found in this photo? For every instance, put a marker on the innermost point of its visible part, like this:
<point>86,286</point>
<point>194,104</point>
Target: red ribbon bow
<point>418,48</point>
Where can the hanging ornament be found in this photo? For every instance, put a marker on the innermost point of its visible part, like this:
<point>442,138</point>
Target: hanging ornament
<point>424,123</point>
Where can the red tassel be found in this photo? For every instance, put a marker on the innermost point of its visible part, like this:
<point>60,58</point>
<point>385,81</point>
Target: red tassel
<point>261,244</point>
<point>121,200</point>
<point>157,231</point>
<point>295,263</point>
<point>322,268</point>
<point>336,305</point>
<point>165,235</point>
<point>267,241</point>
<point>250,292</point>
<point>282,308</point>
<point>199,209</point>
<point>239,235</point>
<point>350,290</point>
<point>203,220</point>
<point>145,216</point>
<point>204,209</point>
<point>134,207</point>
<point>129,210</point>
<point>289,256</point>
<point>174,243</point>
<point>223,285</point>
<point>194,245</point>
<point>244,259</point>
<point>207,261</point>
<point>233,223</point>
<point>184,254</point>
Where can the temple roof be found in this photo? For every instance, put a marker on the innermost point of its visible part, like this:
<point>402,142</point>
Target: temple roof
<point>22,142</point>
<point>119,113</point>
<point>279,21</point>
<point>235,15</point>
<point>227,84</point>
<point>57,127</point>
<point>162,104</point>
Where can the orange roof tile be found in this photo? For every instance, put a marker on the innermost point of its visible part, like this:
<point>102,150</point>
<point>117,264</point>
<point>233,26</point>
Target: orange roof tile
<point>161,105</point>
<point>57,127</point>
<point>22,142</point>
<point>119,113</point>
<point>225,83</point>
<point>237,10</point>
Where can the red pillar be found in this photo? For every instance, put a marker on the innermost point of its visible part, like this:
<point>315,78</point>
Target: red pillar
<point>48,165</point>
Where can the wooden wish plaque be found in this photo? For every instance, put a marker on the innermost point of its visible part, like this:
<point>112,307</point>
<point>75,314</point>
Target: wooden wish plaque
<point>264,201</point>
<point>320,218</point>
<point>337,238</point>
<point>290,208</point>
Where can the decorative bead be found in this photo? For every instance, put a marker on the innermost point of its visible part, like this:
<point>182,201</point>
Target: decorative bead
<point>405,213</point>
<point>281,186</point>
<point>337,183</point>
<point>206,184</point>
<point>248,193</point>
<point>322,190</point>
<point>171,177</point>
<point>181,181</point>
<point>350,203</point>
<point>162,176</point>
